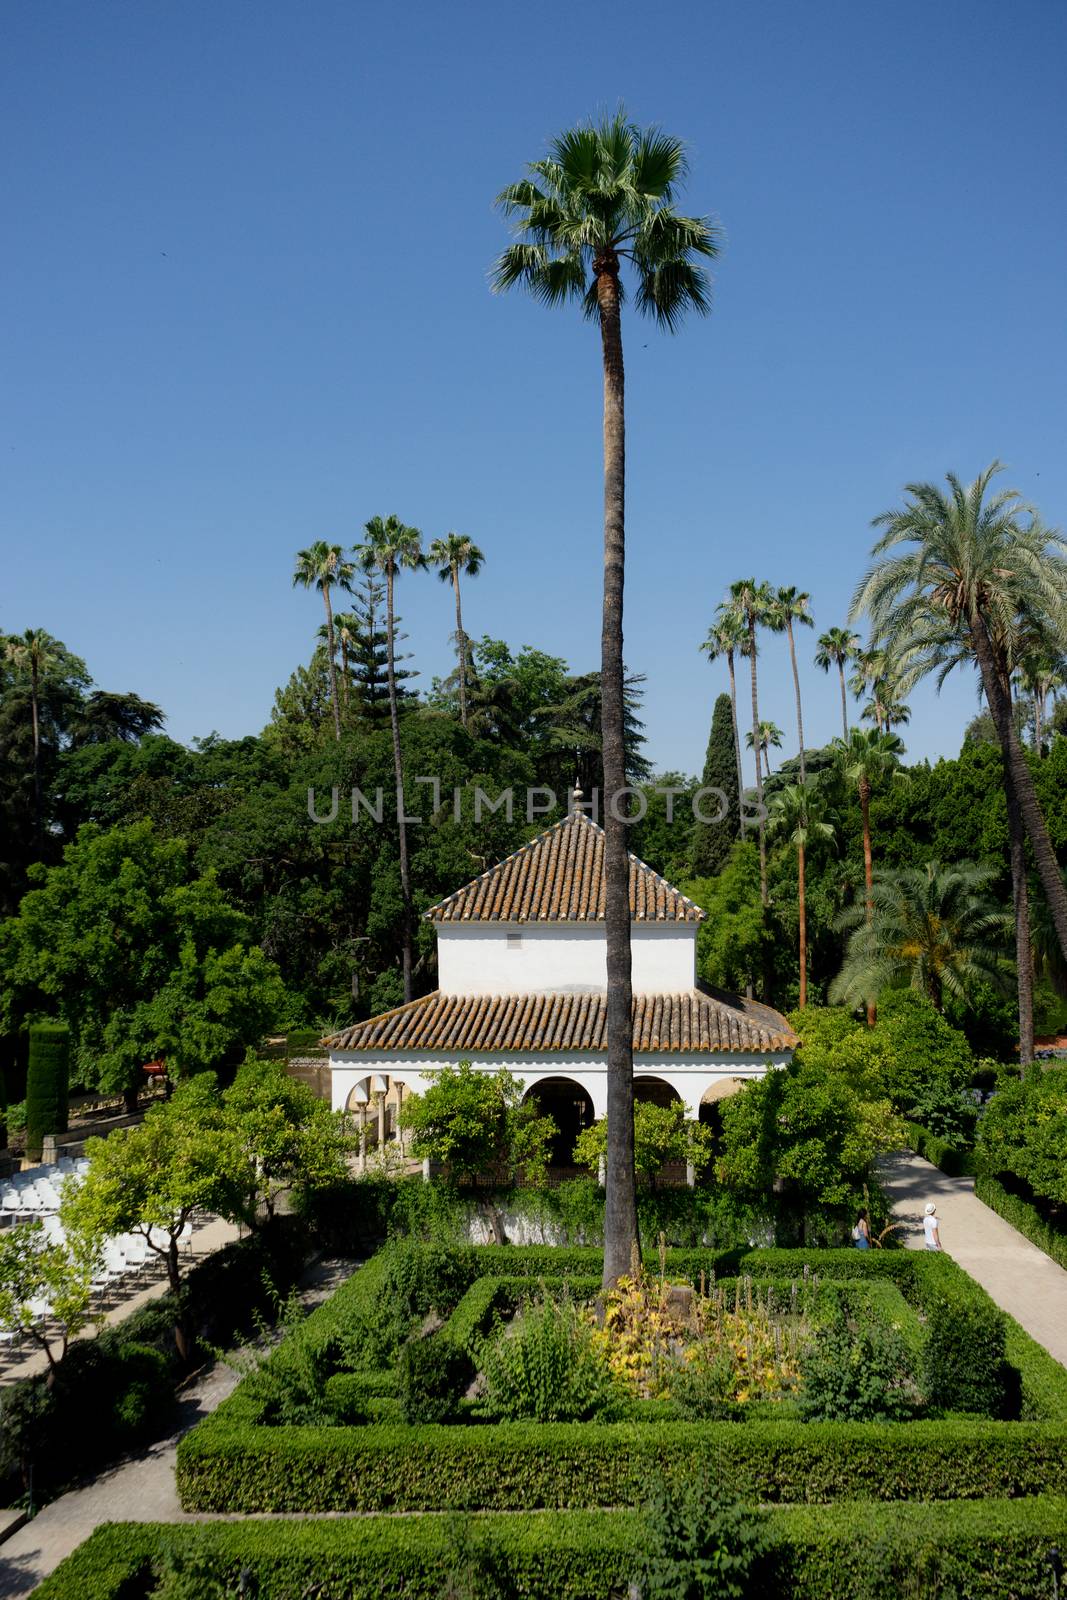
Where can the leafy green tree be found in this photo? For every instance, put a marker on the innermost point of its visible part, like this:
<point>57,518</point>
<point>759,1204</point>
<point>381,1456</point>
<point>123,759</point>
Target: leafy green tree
<point>390,548</point>
<point>152,1178</point>
<point>1024,1132</point>
<point>797,813</point>
<point>790,605</point>
<point>712,841</point>
<point>934,928</point>
<point>603,196</point>
<point>140,957</point>
<point>290,1138</point>
<point>662,1134</point>
<point>34,1272</point>
<point>452,555</point>
<point>477,1123</point>
<point>836,648</point>
<point>103,718</point>
<point>733,940</point>
<point>808,1126</point>
<point>323,566</point>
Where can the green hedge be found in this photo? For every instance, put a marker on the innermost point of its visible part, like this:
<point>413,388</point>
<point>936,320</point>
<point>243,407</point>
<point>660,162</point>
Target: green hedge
<point>964,1350</point>
<point>225,1465</point>
<point>47,1084</point>
<point>984,1550</point>
<point>952,1161</point>
<point>1023,1216</point>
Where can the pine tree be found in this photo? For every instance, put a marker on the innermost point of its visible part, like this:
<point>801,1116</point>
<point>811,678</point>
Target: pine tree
<point>367,655</point>
<point>712,841</point>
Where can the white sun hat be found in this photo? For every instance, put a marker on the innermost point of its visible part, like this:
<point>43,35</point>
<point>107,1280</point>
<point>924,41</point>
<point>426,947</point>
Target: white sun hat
<point>930,1208</point>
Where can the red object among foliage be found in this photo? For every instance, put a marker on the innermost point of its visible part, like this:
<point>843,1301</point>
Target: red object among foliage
<point>155,1069</point>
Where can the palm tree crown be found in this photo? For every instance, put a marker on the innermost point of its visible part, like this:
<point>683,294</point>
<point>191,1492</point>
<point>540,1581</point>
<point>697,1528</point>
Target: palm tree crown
<point>933,927</point>
<point>452,555</point>
<point>836,647</point>
<point>603,195</point>
<point>323,566</point>
<point>788,606</point>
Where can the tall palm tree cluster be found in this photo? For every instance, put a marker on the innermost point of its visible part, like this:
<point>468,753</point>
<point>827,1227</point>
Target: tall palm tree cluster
<point>961,576</point>
<point>389,548</point>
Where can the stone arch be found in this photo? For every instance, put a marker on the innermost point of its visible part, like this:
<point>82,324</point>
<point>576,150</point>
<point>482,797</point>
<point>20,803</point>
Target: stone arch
<point>660,1091</point>
<point>571,1108</point>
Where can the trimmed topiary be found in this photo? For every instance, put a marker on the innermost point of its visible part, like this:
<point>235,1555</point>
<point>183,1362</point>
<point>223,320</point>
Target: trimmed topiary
<point>47,1084</point>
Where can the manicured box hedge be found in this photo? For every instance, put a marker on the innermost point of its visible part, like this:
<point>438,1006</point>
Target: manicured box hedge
<point>47,1084</point>
<point>948,1158</point>
<point>985,1550</point>
<point>232,1462</point>
<point>1024,1216</point>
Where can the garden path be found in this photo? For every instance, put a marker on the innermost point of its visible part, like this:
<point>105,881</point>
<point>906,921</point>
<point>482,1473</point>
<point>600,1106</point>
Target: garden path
<point>1022,1279</point>
<point>141,1488</point>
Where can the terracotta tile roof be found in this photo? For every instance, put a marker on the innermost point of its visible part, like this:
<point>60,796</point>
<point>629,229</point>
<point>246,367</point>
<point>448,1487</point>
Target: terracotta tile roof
<point>696,1020</point>
<point>559,877</point>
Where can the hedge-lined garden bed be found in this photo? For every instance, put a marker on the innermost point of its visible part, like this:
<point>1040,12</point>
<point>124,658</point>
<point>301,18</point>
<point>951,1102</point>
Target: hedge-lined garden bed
<point>1024,1216</point>
<point>972,1360</point>
<point>983,1549</point>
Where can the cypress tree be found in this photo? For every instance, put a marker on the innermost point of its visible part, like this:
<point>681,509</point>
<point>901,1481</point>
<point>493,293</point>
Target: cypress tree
<point>712,841</point>
<point>47,1084</point>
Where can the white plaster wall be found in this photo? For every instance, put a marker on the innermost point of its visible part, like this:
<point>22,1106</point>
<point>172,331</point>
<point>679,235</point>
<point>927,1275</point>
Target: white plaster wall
<point>689,1076</point>
<point>565,957</point>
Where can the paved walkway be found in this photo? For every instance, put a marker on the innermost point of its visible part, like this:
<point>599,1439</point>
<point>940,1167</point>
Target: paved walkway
<point>205,1241</point>
<point>139,1489</point>
<point>1022,1280</point>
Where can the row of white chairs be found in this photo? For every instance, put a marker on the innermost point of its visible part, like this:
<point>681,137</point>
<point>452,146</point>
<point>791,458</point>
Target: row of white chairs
<point>39,1190</point>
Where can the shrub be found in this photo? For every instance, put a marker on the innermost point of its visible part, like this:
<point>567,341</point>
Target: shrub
<point>144,1400</point>
<point>434,1375</point>
<point>963,1365</point>
<point>47,1083</point>
<point>411,1277</point>
<point>1024,1132</point>
<point>701,1544</point>
<point>546,1367</point>
<point>856,1372</point>
<point>1024,1216</point>
<point>943,1153</point>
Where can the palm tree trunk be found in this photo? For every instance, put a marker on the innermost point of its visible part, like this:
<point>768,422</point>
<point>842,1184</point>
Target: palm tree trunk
<point>35,691</point>
<point>737,742</point>
<point>620,1199</point>
<point>802,908</point>
<point>844,700</point>
<point>1021,776</point>
<point>398,770</point>
<point>796,691</point>
<point>1020,895</point>
<point>756,749</point>
<point>1037,724</point>
<point>333,663</point>
<point>344,671</point>
<point>461,642</point>
<point>868,872</point>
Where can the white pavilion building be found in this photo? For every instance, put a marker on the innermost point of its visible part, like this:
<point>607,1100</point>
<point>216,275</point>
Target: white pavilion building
<point>521,956</point>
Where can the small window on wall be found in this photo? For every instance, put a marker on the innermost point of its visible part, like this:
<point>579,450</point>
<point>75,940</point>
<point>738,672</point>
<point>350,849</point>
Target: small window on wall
<point>514,941</point>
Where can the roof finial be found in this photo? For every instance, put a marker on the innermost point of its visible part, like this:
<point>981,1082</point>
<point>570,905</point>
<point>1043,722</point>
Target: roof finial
<point>577,793</point>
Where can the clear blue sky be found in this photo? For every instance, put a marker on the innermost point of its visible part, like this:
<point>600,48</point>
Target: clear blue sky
<point>245,307</point>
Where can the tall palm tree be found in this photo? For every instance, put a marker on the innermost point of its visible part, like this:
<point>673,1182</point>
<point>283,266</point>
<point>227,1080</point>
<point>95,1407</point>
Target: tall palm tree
<point>789,606</point>
<point>604,196</point>
<point>885,708</point>
<point>864,759</point>
<point>453,554</point>
<point>797,813</point>
<point>33,653</point>
<point>934,927</point>
<point>836,647</point>
<point>323,566</point>
<point>1039,674</point>
<point>345,627</point>
<point>770,734</point>
<point>753,603</point>
<point>726,636</point>
<point>969,571</point>
<point>391,547</point>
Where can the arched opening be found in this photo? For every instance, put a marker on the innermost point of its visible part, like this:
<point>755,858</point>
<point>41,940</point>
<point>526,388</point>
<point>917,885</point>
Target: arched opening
<point>570,1108</point>
<point>654,1091</point>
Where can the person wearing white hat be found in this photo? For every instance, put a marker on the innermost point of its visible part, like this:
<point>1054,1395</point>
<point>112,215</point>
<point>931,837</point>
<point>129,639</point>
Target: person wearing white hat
<point>930,1227</point>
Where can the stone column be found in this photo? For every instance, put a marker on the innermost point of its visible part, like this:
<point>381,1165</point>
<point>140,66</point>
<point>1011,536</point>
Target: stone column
<point>380,1097</point>
<point>362,1168</point>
